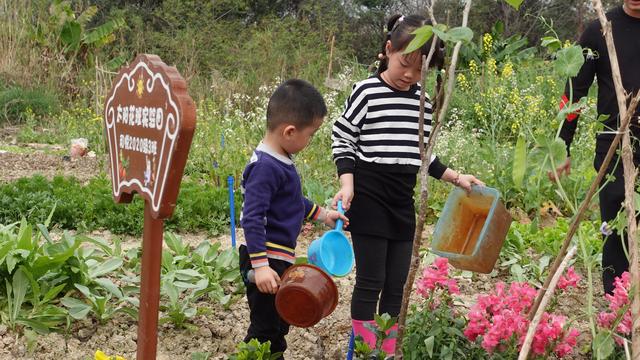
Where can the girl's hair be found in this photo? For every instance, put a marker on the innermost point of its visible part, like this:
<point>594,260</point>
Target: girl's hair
<point>399,31</point>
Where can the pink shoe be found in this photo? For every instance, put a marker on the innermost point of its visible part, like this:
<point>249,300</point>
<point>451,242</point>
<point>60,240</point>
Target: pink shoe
<point>367,335</point>
<point>389,345</point>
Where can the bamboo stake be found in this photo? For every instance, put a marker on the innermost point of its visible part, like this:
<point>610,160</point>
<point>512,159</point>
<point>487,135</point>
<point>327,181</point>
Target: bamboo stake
<point>533,326</point>
<point>424,194</point>
<point>629,182</point>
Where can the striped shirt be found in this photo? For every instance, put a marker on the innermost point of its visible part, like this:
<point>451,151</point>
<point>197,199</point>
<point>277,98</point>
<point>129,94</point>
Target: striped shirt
<point>380,127</point>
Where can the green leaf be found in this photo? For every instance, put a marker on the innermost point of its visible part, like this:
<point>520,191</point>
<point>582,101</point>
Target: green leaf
<point>552,43</point>
<point>440,31</point>
<point>428,343</point>
<point>87,15</point>
<point>104,31</point>
<point>20,284</point>
<point>569,61</point>
<point>24,236</point>
<point>106,267</point>
<point>77,309</point>
<point>422,35</point>
<point>109,286</point>
<point>71,34</point>
<point>519,162</point>
<point>45,233</point>
<point>515,3</point>
<point>460,33</point>
<point>603,344</point>
<point>174,242</point>
<point>558,151</point>
<point>52,293</point>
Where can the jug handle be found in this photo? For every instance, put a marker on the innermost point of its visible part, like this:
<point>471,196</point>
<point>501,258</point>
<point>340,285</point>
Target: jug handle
<point>339,222</point>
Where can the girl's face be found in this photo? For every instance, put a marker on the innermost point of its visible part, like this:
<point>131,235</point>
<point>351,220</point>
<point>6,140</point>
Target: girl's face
<point>403,70</point>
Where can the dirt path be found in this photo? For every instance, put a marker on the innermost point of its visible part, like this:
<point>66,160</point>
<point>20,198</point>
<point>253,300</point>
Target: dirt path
<point>16,165</point>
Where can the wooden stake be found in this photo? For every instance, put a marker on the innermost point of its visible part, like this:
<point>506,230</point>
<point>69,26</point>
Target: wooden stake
<point>424,194</point>
<point>149,285</point>
<point>526,346</point>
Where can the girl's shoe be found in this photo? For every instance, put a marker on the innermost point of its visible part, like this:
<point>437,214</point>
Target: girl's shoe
<point>389,345</point>
<point>360,330</point>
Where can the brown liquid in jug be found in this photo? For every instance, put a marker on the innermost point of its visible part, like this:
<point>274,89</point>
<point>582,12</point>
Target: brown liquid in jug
<point>466,227</point>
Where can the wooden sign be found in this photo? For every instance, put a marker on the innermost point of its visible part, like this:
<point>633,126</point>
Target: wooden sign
<point>149,122</point>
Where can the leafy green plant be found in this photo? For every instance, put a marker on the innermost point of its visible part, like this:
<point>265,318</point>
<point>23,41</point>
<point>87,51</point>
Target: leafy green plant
<point>102,306</point>
<point>254,350</point>
<point>199,206</point>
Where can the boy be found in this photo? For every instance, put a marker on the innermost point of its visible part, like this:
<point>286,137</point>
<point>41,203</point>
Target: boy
<point>274,207</point>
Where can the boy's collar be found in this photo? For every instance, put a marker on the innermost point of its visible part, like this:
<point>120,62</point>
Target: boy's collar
<point>266,149</point>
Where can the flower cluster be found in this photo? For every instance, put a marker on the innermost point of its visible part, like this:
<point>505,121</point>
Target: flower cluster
<point>487,43</point>
<point>436,276</point>
<point>462,81</point>
<point>500,319</point>
<point>507,70</point>
<point>618,307</point>
<point>570,280</point>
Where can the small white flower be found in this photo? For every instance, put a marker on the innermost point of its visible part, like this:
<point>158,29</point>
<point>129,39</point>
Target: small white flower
<point>605,229</point>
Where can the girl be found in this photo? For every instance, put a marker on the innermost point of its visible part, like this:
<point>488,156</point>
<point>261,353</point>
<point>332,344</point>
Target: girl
<point>375,148</point>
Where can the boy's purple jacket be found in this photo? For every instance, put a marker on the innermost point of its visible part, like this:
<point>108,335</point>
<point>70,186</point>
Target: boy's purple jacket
<point>274,207</point>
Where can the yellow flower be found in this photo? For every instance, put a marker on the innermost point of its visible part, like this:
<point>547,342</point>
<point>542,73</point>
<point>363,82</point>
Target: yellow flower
<point>462,81</point>
<point>539,79</point>
<point>566,44</point>
<point>102,356</point>
<point>487,43</point>
<point>478,109</point>
<point>473,67</point>
<point>507,70</point>
<point>491,65</point>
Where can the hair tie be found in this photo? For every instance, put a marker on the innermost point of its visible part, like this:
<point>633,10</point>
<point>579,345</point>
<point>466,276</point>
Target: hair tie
<point>400,19</point>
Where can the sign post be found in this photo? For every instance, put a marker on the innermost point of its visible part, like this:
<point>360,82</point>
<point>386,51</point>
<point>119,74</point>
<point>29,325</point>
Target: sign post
<point>149,121</point>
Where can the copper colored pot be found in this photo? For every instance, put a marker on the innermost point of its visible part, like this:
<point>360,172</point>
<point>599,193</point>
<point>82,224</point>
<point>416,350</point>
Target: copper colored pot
<point>306,295</point>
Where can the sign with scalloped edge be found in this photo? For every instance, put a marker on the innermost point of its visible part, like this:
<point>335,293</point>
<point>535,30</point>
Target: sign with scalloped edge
<point>149,122</point>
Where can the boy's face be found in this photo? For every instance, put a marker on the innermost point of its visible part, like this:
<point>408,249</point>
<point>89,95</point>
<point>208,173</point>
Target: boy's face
<point>296,138</point>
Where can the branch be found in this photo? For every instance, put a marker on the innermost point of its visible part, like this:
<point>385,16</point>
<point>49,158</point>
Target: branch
<point>533,326</point>
<point>424,194</point>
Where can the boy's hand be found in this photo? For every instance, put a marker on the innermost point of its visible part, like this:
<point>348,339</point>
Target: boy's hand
<point>332,216</point>
<point>267,280</point>
<point>465,181</point>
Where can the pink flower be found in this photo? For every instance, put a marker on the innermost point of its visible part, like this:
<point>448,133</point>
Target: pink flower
<point>500,318</point>
<point>436,276</point>
<point>617,302</point>
<point>570,280</point>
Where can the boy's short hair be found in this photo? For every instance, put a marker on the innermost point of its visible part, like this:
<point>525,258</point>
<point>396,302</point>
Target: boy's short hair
<point>295,102</point>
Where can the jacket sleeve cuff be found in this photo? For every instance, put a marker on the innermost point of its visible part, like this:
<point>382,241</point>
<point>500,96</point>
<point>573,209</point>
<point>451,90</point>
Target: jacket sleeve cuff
<point>436,168</point>
<point>345,165</point>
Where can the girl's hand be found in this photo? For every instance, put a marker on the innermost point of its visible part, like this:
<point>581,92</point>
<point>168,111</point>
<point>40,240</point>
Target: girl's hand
<point>346,192</point>
<point>332,216</point>
<point>465,181</point>
<point>267,280</point>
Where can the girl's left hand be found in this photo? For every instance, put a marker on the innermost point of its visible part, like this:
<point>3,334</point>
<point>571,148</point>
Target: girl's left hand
<point>465,181</point>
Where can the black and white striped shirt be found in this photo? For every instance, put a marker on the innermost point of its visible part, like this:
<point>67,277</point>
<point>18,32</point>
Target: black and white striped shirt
<point>379,128</point>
